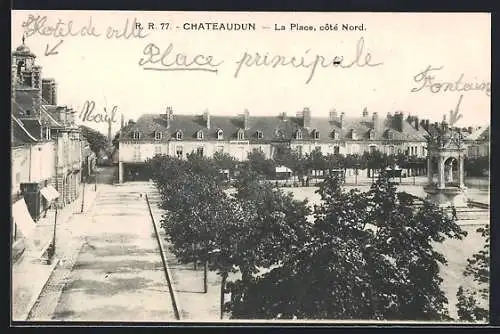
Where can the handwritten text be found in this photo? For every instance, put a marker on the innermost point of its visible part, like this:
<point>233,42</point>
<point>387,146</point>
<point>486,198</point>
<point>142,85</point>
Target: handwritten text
<point>87,115</point>
<point>427,80</point>
<point>39,25</point>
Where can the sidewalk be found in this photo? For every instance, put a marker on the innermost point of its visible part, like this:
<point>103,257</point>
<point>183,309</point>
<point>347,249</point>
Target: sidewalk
<point>193,303</point>
<point>29,275</point>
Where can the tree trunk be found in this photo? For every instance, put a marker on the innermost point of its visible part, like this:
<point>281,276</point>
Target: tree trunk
<point>222,291</point>
<point>205,285</point>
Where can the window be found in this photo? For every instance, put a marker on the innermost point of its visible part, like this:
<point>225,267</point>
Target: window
<point>158,135</point>
<point>199,135</point>
<point>260,135</point>
<point>298,135</point>
<point>137,152</point>
<point>136,135</point>
<point>220,134</point>
<point>389,135</point>
<point>299,150</point>
<point>371,135</point>
<point>423,151</point>
<point>335,135</point>
<point>241,134</point>
<point>353,135</point>
<point>178,135</point>
<point>199,151</point>
<point>157,149</point>
<point>373,149</point>
<point>178,152</point>
<point>316,134</point>
<point>391,150</point>
<point>336,150</point>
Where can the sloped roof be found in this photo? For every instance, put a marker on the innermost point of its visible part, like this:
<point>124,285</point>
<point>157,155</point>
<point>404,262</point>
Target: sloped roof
<point>273,128</point>
<point>21,135</point>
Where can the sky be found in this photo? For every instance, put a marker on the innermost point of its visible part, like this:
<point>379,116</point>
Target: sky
<point>400,46</point>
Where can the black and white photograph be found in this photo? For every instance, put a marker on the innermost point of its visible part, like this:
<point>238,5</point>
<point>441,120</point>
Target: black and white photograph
<point>245,167</point>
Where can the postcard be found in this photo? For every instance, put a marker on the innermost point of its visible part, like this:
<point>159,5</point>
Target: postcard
<point>243,167</point>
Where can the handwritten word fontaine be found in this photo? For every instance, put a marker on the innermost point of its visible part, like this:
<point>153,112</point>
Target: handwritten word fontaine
<point>168,60</point>
<point>426,80</point>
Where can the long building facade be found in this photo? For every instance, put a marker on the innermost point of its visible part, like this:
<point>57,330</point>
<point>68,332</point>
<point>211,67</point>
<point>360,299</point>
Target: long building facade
<point>179,134</point>
<point>45,143</point>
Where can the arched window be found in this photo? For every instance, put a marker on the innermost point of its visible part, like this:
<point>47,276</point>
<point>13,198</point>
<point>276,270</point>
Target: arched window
<point>241,134</point>
<point>315,134</point>
<point>199,134</point>
<point>178,135</point>
<point>220,134</point>
<point>136,135</point>
<point>298,134</point>
<point>158,135</point>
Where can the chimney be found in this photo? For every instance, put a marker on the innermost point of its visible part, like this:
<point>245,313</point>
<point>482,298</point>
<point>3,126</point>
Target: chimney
<point>206,118</point>
<point>49,91</point>
<point>306,118</point>
<point>246,122</point>
<point>417,124</point>
<point>122,123</point>
<point>170,114</point>
<point>342,114</point>
<point>283,116</point>
<point>365,112</point>
<point>427,124</point>
<point>333,115</point>
<point>397,121</point>
<point>469,129</point>
<point>375,123</point>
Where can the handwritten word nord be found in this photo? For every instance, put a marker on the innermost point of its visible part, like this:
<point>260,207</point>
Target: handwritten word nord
<point>87,115</point>
<point>426,80</point>
<point>361,59</point>
<point>167,61</point>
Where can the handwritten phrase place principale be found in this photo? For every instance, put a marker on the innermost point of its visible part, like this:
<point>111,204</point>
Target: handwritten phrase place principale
<point>168,59</point>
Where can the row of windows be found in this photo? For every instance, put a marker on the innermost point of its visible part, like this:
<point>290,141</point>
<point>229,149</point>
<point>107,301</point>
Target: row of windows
<point>259,134</point>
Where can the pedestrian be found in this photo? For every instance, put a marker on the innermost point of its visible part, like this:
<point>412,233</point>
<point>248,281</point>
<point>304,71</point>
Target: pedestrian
<point>454,213</point>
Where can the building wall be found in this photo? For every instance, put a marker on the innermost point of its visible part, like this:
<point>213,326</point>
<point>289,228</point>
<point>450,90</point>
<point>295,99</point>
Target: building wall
<point>42,161</point>
<point>140,151</point>
<point>20,167</point>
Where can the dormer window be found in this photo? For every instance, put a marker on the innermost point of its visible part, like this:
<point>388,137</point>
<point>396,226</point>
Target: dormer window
<point>47,133</point>
<point>389,135</point>
<point>260,135</point>
<point>354,135</point>
<point>335,135</point>
<point>220,134</point>
<point>199,135</point>
<point>316,134</point>
<point>298,135</point>
<point>178,135</point>
<point>136,135</point>
<point>241,134</point>
<point>278,133</point>
<point>371,134</point>
<point>158,135</point>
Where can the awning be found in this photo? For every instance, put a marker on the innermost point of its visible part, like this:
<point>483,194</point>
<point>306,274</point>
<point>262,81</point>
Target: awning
<point>49,193</point>
<point>283,169</point>
<point>22,218</point>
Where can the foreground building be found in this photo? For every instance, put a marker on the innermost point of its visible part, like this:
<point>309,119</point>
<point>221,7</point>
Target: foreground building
<point>177,135</point>
<point>45,144</point>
